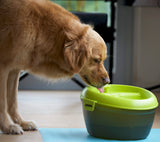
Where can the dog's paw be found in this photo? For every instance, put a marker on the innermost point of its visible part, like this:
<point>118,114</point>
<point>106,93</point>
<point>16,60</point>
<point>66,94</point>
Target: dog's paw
<point>13,129</point>
<point>29,126</point>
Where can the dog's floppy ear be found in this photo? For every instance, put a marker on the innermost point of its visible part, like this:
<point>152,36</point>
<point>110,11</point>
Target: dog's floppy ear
<point>76,51</point>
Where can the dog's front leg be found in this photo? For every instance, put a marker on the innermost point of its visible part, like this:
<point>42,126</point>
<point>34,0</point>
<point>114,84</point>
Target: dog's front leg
<point>12,88</point>
<point>6,123</point>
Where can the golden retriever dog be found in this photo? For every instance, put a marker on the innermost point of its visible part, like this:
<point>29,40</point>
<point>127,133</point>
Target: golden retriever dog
<point>44,39</point>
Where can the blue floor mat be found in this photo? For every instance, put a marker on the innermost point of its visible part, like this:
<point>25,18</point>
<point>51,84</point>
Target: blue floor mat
<point>81,135</point>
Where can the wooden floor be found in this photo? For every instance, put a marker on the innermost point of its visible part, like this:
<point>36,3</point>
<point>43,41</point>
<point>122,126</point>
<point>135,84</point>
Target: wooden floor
<point>53,109</point>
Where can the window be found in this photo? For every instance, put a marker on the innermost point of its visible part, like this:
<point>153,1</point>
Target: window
<point>98,6</point>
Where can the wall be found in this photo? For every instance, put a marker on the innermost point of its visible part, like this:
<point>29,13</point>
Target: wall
<point>146,63</point>
<point>123,49</point>
<point>137,47</point>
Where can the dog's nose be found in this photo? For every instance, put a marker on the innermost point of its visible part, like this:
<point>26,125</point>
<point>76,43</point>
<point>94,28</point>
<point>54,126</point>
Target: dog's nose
<point>106,80</point>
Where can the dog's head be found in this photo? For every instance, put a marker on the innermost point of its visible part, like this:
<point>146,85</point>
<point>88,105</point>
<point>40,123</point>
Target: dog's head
<point>85,54</point>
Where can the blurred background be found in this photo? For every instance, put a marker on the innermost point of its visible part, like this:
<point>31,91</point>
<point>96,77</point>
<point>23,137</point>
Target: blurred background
<point>131,30</point>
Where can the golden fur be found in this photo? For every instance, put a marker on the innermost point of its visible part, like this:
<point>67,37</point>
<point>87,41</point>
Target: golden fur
<point>45,39</point>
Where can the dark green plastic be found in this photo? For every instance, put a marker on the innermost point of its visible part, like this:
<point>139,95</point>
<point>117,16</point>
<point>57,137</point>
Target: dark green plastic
<point>115,122</point>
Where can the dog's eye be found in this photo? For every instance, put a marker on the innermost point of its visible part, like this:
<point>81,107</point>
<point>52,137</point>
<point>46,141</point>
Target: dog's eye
<point>97,61</point>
